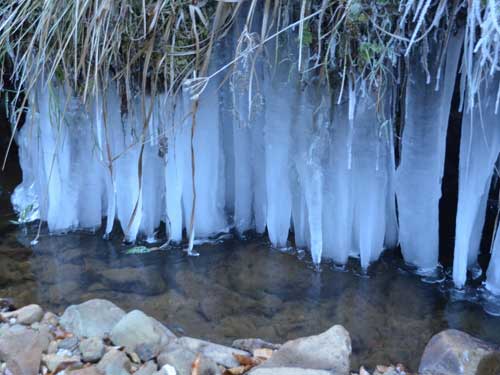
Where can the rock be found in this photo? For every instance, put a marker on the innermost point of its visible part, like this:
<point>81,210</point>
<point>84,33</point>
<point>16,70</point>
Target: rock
<point>329,350</point>
<point>148,368</point>
<point>182,359</point>
<point>60,362</point>
<point>50,318</point>
<point>251,344</point>
<point>141,334</point>
<point>288,371</point>
<point>52,348</point>
<point>114,362</point>
<point>25,315</point>
<point>70,343</point>
<point>167,370</point>
<point>454,352</point>
<point>43,330</point>
<point>220,354</point>
<point>91,370</point>
<point>95,317</point>
<point>21,348</point>
<point>92,349</point>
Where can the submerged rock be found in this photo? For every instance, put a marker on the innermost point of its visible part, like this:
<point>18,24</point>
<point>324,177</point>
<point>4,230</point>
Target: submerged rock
<point>96,317</point>
<point>147,280</point>
<point>141,334</point>
<point>21,348</point>
<point>329,350</point>
<point>452,352</point>
<point>220,354</point>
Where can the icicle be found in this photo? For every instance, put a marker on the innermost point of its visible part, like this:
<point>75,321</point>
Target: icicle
<point>418,178</point>
<point>176,155</point>
<point>493,273</point>
<point>479,148</point>
<point>352,108</point>
<point>338,198</point>
<point>277,144</point>
<point>369,184</point>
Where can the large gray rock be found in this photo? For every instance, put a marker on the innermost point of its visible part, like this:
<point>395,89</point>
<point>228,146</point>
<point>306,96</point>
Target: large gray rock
<point>329,350</point>
<point>25,315</point>
<point>182,359</point>
<point>92,349</point>
<point>141,334</point>
<point>288,371</point>
<point>220,354</point>
<point>96,317</point>
<point>21,348</point>
<point>455,352</point>
<point>114,362</point>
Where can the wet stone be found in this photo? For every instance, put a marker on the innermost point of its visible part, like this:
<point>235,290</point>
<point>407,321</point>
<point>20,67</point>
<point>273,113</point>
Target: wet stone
<point>142,334</point>
<point>21,348</point>
<point>92,349</point>
<point>96,317</point>
<point>114,362</point>
<point>455,352</point>
<point>182,359</point>
<point>70,343</point>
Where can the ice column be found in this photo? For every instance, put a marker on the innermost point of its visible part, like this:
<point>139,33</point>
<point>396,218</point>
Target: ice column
<point>176,130</point>
<point>370,177</point>
<point>242,145</point>
<point>418,178</point>
<point>479,148</point>
<point>338,199</point>
<point>309,128</point>
<point>277,145</point>
<point>209,164</point>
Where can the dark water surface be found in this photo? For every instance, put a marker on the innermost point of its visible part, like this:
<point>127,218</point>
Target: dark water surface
<point>237,289</point>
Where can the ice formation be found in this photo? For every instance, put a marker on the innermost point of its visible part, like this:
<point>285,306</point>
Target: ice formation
<point>273,151</point>
<point>479,150</point>
<point>418,180</point>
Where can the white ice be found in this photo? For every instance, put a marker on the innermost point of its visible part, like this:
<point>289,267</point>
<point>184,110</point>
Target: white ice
<point>418,177</point>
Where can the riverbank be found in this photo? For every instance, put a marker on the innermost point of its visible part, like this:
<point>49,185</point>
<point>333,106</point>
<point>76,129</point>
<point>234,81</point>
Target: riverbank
<point>99,338</point>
